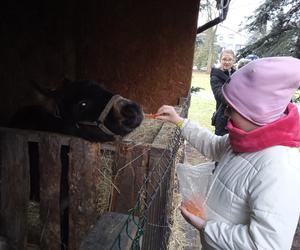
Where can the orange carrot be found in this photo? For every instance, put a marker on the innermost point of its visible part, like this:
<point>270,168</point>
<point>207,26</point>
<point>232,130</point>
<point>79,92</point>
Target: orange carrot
<point>194,209</point>
<point>153,116</point>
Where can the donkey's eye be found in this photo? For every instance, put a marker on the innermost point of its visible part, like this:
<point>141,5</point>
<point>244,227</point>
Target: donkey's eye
<point>83,104</point>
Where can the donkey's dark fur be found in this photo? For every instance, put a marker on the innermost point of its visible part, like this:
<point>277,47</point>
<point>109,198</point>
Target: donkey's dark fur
<point>65,109</point>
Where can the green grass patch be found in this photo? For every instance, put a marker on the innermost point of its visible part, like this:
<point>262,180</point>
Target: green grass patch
<point>202,103</point>
<point>201,80</point>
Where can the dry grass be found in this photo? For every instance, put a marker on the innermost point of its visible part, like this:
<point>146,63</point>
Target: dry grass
<point>146,132</point>
<point>177,240</point>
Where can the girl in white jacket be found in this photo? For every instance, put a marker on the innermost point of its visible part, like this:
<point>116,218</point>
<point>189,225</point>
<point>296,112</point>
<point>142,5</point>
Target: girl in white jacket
<point>253,201</point>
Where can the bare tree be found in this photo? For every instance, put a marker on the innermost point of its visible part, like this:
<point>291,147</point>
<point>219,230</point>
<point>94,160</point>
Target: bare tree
<point>206,51</point>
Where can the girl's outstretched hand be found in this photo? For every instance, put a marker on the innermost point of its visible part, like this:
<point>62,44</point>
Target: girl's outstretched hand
<point>194,220</point>
<point>168,113</point>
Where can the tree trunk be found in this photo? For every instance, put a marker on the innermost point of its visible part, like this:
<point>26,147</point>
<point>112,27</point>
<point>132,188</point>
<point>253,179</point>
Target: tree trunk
<point>211,48</point>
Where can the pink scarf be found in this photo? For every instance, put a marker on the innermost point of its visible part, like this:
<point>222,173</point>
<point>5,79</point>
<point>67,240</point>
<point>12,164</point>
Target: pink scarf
<point>285,131</point>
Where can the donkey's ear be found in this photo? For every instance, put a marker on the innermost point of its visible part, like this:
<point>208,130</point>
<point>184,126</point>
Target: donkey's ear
<point>41,90</point>
<point>46,97</point>
<point>66,81</point>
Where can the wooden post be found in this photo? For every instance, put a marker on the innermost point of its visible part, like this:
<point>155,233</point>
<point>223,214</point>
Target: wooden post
<point>50,174</point>
<point>14,189</point>
<point>84,177</point>
<point>129,173</point>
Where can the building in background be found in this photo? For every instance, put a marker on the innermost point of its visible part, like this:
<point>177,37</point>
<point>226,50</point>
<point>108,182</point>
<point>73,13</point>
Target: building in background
<point>229,39</point>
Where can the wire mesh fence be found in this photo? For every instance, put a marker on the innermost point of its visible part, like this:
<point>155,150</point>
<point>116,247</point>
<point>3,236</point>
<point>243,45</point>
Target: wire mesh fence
<point>150,214</point>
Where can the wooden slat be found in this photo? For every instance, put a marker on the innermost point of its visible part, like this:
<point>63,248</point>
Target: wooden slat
<point>109,233</point>
<point>84,176</point>
<point>14,189</point>
<point>34,136</point>
<point>129,172</point>
<point>50,174</point>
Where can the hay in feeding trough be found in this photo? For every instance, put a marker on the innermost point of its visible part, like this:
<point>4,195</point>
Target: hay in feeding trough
<point>34,222</point>
<point>105,184</point>
<point>146,132</point>
<point>152,131</point>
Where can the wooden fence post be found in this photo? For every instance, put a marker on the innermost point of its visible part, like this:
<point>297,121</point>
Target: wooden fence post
<point>84,177</point>
<point>50,174</point>
<point>14,189</point>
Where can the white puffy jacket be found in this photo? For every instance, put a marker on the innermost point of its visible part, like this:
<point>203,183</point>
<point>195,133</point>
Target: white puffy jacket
<point>254,199</point>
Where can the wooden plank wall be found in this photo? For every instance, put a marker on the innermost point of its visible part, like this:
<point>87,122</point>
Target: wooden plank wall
<point>84,174</point>
<point>132,165</point>
<point>14,189</point>
<point>130,169</point>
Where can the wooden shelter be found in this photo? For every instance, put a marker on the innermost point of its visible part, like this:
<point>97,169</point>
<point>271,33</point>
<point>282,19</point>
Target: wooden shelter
<point>142,50</point>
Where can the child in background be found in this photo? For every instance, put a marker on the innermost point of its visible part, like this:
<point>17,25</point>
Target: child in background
<point>218,76</point>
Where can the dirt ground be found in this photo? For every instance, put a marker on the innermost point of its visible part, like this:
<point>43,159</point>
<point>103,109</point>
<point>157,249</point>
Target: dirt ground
<point>183,235</point>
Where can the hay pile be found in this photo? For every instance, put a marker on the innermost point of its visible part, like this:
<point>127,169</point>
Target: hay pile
<point>105,185</point>
<point>34,223</point>
<point>146,132</point>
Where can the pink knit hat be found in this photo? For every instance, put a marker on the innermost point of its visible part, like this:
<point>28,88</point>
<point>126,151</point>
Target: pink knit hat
<point>261,90</point>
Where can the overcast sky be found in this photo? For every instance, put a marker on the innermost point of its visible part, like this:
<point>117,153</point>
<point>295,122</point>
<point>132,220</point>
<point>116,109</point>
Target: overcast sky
<point>238,10</point>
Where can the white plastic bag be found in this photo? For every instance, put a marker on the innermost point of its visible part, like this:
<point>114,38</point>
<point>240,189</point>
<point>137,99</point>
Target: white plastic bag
<point>194,182</point>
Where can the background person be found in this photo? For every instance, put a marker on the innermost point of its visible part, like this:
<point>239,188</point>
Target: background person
<point>243,61</point>
<point>253,200</point>
<point>218,77</point>
<point>252,57</point>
